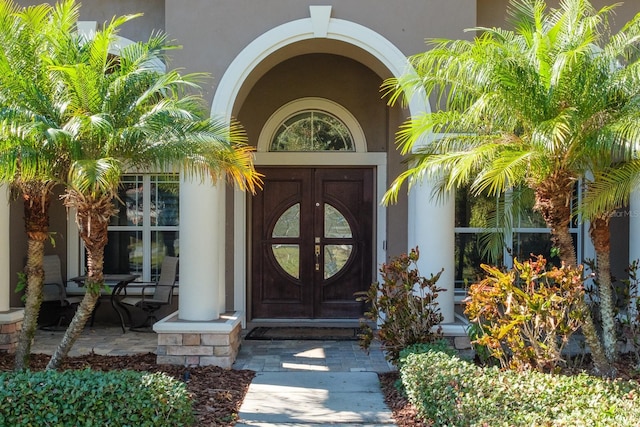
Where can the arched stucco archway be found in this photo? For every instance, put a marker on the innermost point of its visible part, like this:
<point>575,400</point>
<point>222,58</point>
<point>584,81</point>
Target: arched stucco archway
<point>318,25</point>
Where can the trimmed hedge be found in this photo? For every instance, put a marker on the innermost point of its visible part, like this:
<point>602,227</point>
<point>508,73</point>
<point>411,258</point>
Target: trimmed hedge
<point>453,392</point>
<point>93,398</point>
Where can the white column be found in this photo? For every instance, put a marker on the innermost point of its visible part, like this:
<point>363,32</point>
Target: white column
<point>634,236</point>
<point>201,249</point>
<point>5,273</point>
<point>222,247</point>
<point>431,228</point>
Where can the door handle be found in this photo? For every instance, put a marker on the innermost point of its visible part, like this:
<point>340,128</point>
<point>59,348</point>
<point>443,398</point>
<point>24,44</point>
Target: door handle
<point>317,251</point>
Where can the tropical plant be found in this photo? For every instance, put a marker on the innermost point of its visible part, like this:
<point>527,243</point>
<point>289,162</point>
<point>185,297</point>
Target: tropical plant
<point>403,305</point>
<point>543,105</point>
<point>527,315</point>
<point>28,163</point>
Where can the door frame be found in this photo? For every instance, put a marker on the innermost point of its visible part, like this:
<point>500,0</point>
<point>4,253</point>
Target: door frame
<point>339,159</point>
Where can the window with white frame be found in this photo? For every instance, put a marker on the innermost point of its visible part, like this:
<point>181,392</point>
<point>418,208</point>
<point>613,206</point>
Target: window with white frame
<point>479,222</point>
<point>145,230</point>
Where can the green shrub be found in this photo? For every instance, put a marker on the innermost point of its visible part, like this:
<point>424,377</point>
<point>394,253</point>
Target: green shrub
<point>452,392</point>
<point>525,316</point>
<point>92,398</point>
<point>403,306</point>
<point>440,345</point>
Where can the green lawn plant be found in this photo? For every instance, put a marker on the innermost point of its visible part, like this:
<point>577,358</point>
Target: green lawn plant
<point>525,316</point>
<point>403,306</point>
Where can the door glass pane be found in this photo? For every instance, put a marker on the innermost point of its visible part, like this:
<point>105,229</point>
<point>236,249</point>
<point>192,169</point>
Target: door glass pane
<point>288,256</point>
<point>335,224</point>
<point>335,257</point>
<point>288,225</point>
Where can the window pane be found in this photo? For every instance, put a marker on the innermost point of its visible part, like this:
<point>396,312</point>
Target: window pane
<point>131,193</point>
<point>165,200</point>
<point>123,253</point>
<point>474,211</point>
<point>288,256</point>
<point>312,131</point>
<point>528,218</point>
<point>335,257</point>
<point>335,224</point>
<point>164,242</point>
<point>288,225</point>
<point>526,244</point>
<point>468,257</point>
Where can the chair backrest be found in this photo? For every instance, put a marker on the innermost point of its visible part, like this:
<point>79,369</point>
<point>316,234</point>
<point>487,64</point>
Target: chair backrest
<point>167,280</point>
<point>53,289</point>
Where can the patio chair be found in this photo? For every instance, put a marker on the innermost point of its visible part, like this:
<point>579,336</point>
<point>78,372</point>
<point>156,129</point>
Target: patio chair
<point>151,303</point>
<point>54,291</point>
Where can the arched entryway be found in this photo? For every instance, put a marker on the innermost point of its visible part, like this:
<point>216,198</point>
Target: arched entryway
<point>320,35</point>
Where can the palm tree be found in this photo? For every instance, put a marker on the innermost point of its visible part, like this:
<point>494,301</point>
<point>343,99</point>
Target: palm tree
<point>534,106</point>
<point>30,166</point>
<point>122,113</point>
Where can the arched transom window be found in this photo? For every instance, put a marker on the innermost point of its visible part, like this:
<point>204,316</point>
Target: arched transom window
<point>311,125</point>
<point>312,130</point>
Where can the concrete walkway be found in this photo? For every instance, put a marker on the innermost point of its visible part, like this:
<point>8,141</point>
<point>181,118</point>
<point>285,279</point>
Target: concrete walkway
<point>315,399</point>
<point>313,383</point>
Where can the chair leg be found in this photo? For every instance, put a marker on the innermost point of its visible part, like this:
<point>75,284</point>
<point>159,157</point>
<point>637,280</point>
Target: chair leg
<point>58,325</point>
<point>147,325</point>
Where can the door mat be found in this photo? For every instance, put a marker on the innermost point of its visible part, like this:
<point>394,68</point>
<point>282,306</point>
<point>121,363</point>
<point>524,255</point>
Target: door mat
<point>304,333</point>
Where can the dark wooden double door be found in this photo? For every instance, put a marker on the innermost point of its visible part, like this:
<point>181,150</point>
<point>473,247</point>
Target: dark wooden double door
<point>311,242</point>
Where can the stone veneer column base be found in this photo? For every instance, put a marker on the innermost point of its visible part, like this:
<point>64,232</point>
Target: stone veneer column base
<point>10,326</point>
<point>191,343</point>
<point>457,336</point>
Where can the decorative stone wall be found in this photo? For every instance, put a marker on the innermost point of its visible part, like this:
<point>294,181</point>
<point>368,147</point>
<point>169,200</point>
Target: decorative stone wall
<point>189,343</point>
<point>9,333</point>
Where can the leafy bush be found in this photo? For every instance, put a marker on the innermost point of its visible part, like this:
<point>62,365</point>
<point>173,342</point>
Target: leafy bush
<point>526,316</point>
<point>440,345</point>
<point>92,398</point>
<point>403,306</point>
<point>449,391</point>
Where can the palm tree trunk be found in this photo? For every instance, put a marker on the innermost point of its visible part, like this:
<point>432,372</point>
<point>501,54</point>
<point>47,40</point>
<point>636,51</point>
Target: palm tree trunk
<point>93,220</point>
<point>35,279</point>
<point>74,329</point>
<point>553,201</point>
<point>36,198</point>
<point>600,236</point>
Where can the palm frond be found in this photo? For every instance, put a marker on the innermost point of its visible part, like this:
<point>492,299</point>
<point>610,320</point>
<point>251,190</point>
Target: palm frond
<point>610,189</point>
<point>95,178</point>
